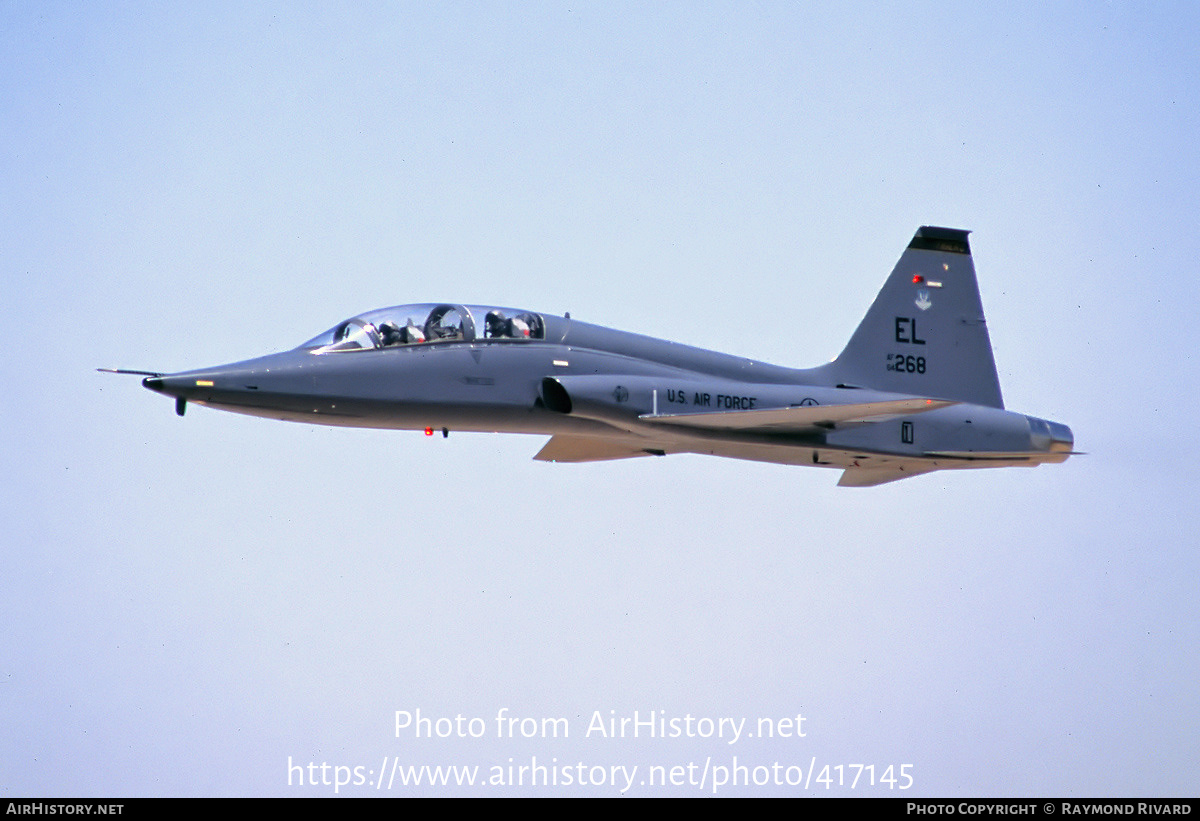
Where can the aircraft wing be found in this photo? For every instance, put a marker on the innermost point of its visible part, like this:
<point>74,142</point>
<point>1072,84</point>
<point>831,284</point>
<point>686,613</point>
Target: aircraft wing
<point>565,448</point>
<point>801,418</point>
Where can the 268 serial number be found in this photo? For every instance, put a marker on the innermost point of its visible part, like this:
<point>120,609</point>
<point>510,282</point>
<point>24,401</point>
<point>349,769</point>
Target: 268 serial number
<point>905,363</point>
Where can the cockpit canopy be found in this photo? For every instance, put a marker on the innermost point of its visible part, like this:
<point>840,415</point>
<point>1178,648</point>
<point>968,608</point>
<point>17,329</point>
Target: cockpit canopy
<point>428,324</point>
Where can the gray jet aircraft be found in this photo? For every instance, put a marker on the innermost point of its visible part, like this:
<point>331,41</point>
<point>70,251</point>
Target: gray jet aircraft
<point>914,391</point>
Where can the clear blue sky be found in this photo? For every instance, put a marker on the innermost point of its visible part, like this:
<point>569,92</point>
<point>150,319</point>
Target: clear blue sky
<point>188,604</point>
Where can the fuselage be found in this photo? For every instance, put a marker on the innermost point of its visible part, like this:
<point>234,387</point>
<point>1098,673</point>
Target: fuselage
<point>558,376</point>
<point>914,390</point>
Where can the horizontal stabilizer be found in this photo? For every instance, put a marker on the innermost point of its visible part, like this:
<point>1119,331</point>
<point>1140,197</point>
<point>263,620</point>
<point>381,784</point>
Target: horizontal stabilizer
<point>797,419</point>
<point>1008,457</point>
<point>562,448</point>
<point>869,477</point>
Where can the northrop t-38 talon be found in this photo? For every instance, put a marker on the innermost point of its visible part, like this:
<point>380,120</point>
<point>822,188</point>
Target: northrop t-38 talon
<point>914,391</point>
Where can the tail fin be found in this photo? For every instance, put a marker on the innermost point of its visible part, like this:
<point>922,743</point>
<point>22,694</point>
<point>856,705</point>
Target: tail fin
<point>925,333</point>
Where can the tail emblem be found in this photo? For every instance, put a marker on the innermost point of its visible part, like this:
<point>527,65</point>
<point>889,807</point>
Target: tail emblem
<point>922,300</point>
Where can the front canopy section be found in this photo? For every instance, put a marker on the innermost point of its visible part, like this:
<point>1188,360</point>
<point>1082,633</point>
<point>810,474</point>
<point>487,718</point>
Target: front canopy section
<point>426,324</point>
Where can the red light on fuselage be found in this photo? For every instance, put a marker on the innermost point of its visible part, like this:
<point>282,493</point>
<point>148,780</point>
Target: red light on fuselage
<point>429,431</point>
<point>918,279</point>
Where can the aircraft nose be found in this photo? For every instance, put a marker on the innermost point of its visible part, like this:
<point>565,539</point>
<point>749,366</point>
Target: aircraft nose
<point>202,383</point>
<point>178,386</point>
<point>243,384</point>
<point>172,386</point>
<point>190,386</point>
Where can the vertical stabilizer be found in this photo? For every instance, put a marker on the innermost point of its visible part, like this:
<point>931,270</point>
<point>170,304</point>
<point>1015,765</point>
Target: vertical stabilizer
<point>925,333</point>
